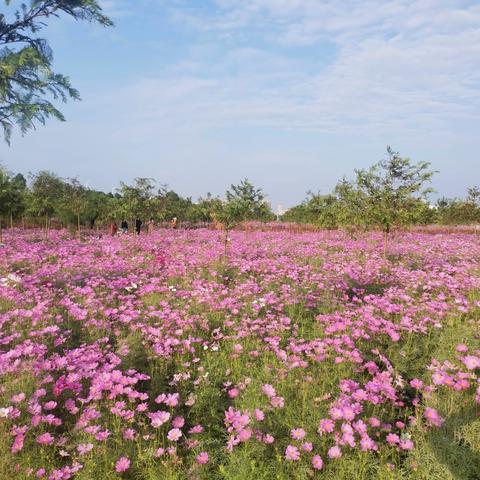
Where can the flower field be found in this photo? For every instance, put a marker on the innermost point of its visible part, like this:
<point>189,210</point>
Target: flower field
<point>301,355</point>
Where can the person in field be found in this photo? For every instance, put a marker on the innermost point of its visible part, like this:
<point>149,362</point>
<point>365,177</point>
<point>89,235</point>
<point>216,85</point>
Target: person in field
<point>124,226</point>
<point>113,228</point>
<point>138,226</point>
<point>150,225</point>
<point>174,223</point>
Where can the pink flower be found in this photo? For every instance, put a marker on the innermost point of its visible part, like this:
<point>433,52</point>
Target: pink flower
<point>461,348</point>
<point>432,417</point>
<point>392,439</point>
<point>334,452</point>
<point>174,434</point>
<point>471,362</point>
<point>416,383</point>
<point>374,422</point>
<point>268,439</point>
<point>291,453</point>
<point>259,415</point>
<point>202,458</point>
<point>45,439</point>
<point>18,398</point>
<point>317,462</point>
<point>277,402</point>
<point>122,465</point>
<point>84,448</point>
<point>307,447</point>
<point>196,429</point>
<point>297,433</point>
<point>159,418</point>
<point>129,434</point>
<point>178,422</point>
<point>159,452</point>
<point>326,426</point>
<point>233,392</point>
<point>268,390</point>
<point>406,444</point>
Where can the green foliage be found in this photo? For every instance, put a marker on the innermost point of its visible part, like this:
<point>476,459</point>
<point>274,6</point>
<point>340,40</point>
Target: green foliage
<point>246,202</point>
<point>12,194</point>
<point>137,198</point>
<point>46,192</point>
<point>27,80</point>
<point>385,196</point>
<point>321,210</point>
<point>458,211</point>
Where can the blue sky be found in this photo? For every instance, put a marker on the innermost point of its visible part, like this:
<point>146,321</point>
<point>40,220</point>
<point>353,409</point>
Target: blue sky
<point>292,94</point>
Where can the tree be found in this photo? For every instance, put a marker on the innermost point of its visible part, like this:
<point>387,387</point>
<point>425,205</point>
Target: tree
<point>12,196</point>
<point>386,195</point>
<point>75,200</point>
<point>46,193</point>
<point>137,198</point>
<point>27,80</point>
<point>249,202</point>
<point>317,209</point>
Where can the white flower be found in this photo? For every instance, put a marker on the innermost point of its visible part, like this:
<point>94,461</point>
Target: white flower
<point>4,412</point>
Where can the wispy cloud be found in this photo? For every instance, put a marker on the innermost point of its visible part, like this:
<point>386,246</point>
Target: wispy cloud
<point>399,65</point>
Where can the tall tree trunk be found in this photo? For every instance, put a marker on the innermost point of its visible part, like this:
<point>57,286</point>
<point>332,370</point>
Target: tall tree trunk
<point>385,244</point>
<point>11,219</point>
<point>78,225</point>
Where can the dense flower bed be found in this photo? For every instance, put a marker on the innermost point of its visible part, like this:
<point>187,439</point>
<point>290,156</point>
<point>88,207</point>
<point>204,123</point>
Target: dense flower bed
<point>155,355</point>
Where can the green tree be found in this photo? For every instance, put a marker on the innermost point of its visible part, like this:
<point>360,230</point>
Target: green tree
<point>46,193</point>
<point>28,83</point>
<point>74,200</point>
<point>386,195</point>
<point>249,202</point>
<point>137,199</point>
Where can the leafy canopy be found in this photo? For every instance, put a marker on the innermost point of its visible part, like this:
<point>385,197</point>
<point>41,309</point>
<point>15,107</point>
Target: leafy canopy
<point>28,83</point>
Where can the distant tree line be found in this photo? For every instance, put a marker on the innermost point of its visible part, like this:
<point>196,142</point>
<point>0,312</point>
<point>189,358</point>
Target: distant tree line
<point>46,199</point>
<point>392,193</point>
<point>388,195</point>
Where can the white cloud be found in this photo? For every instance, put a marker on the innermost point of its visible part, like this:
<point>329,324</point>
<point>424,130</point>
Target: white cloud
<point>402,66</point>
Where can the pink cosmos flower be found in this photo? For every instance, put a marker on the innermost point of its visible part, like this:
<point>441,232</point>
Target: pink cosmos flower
<point>268,390</point>
<point>202,458</point>
<point>268,439</point>
<point>233,392</point>
<point>462,348</point>
<point>326,426</point>
<point>259,415</point>
<point>159,418</point>
<point>45,439</point>
<point>471,362</point>
<point>334,452</point>
<point>297,433</point>
<point>432,417</point>
<point>307,447</point>
<point>174,434</point>
<point>291,453</point>
<point>122,465</point>
<point>84,448</point>
<point>393,439</point>
<point>416,383</point>
<point>196,429</point>
<point>178,422</point>
<point>406,444</point>
<point>129,434</point>
<point>317,462</point>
